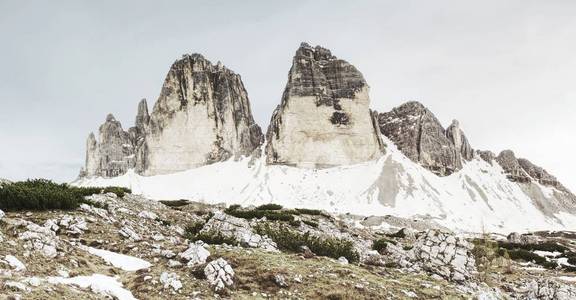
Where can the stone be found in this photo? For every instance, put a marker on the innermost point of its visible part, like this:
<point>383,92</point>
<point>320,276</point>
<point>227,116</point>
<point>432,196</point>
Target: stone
<point>523,239</point>
<point>196,254</point>
<point>130,233</point>
<point>280,280</point>
<point>487,156</point>
<point>420,136</point>
<point>453,262</point>
<point>547,289</point>
<point>238,229</point>
<point>41,239</point>
<point>323,119</point>
<point>306,252</point>
<point>148,215</point>
<point>342,260</point>
<point>15,263</point>
<point>170,280</point>
<point>219,274</point>
<point>2,214</point>
<point>202,116</point>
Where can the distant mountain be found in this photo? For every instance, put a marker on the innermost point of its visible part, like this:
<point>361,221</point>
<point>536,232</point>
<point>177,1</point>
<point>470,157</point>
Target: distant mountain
<point>324,149</point>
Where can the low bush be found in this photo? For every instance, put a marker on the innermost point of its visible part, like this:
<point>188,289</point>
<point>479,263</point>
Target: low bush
<point>295,223</point>
<point>381,244</point>
<point>214,238</point>
<point>192,229</point>
<point>544,246</point>
<point>398,234</point>
<point>273,215</point>
<point>310,223</point>
<point>42,194</point>
<point>291,240</point>
<point>305,211</point>
<point>270,206</point>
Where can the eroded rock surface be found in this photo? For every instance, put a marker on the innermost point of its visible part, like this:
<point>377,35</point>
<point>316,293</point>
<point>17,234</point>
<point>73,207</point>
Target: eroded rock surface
<point>420,136</point>
<point>219,274</point>
<point>324,118</point>
<point>238,229</point>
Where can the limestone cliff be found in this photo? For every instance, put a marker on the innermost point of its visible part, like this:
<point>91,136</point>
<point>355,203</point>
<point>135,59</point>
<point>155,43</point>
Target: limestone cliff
<point>420,136</point>
<point>202,116</point>
<point>324,118</point>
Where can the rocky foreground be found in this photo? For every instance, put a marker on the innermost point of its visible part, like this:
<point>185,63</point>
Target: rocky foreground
<point>135,248</point>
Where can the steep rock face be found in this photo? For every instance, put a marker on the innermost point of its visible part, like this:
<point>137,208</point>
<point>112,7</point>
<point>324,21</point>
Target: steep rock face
<point>324,118</point>
<point>459,140</point>
<point>487,156</point>
<point>421,137</point>
<point>112,154</point>
<point>202,116</point>
<point>514,172</point>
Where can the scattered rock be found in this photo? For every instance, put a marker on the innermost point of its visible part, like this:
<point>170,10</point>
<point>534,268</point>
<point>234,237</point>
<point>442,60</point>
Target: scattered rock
<point>148,215</point>
<point>196,254</point>
<point>170,280</point>
<point>306,252</point>
<point>342,260</point>
<point>129,233</point>
<point>280,280</point>
<point>16,264</point>
<point>219,274</point>
<point>239,229</point>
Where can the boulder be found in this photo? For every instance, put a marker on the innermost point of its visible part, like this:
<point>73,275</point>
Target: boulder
<point>238,229</point>
<point>324,118</point>
<point>219,274</point>
<point>196,254</point>
<point>444,254</point>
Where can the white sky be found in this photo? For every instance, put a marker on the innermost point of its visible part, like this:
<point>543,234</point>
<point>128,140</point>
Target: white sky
<point>505,69</point>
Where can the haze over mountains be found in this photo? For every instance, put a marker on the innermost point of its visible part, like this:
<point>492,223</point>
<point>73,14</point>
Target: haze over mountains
<point>324,148</point>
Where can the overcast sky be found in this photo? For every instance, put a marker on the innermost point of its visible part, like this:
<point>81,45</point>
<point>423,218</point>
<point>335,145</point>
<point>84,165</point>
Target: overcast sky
<point>505,69</point>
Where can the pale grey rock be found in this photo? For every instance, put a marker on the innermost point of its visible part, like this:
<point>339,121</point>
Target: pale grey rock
<point>342,260</point>
<point>148,215</point>
<point>196,254</point>
<point>14,263</point>
<point>2,214</point>
<point>219,274</point>
<point>239,229</point>
<point>41,239</point>
<point>280,280</point>
<point>324,118</point>
<point>170,280</point>
<point>444,254</point>
<point>202,116</point>
<point>420,136</point>
<point>524,239</point>
<point>546,289</point>
<point>129,233</point>
<point>459,140</point>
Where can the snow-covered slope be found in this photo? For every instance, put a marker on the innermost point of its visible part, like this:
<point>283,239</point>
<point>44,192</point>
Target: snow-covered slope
<point>477,198</point>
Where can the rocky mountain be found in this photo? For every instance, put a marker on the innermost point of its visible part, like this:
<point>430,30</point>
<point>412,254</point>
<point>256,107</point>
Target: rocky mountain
<point>202,116</point>
<point>324,149</point>
<point>324,119</point>
<point>421,137</point>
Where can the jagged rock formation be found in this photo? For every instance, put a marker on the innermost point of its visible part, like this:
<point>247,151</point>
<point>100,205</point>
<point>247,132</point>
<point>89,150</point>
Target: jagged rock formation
<point>112,154</point>
<point>324,118</point>
<point>487,156</point>
<point>421,137</point>
<point>202,116</point>
<point>511,167</point>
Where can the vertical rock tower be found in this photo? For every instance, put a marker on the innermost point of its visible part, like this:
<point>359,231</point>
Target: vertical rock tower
<point>202,116</point>
<point>324,118</point>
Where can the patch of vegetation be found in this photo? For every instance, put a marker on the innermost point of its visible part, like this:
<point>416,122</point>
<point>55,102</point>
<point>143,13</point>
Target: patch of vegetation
<point>42,194</point>
<point>489,258</point>
<point>310,223</point>
<point>192,229</point>
<point>163,222</point>
<point>270,206</point>
<point>381,244</point>
<point>528,256</point>
<point>295,223</point>
<point>214,238</point>
<point>313,212</point>
<point>273,215</point>
<point>544,246</point>
<point>398,234</point>
<point>291,240</point>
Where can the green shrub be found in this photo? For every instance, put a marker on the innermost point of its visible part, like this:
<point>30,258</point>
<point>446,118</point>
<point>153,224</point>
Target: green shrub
<point>233,207</point>
<point>398,234</point>
<point>313,212</point>
<point>192,229</point>
<point>291,240</point>
<point>544,246</point>
<point>270,206</point>
<point>214,238</point>
<point>310,223</point>
<point>272,215</point>
<point>295,223</point>
<point>42,194</point>
<point>381,244</point>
